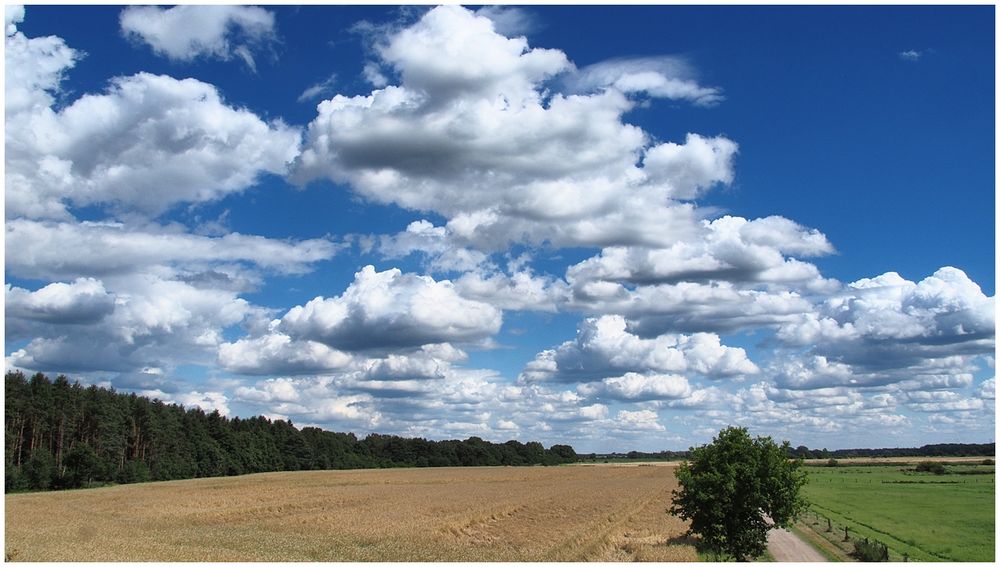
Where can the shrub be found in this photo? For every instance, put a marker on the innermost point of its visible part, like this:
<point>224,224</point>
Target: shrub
<point>931,467</point>
<point>867,551</point>
<point>988,462</point>
<point>39,470</point>
<point>82,465</point>
<point>134,471</point>
<point>13,479</point>
<point>832,463</point>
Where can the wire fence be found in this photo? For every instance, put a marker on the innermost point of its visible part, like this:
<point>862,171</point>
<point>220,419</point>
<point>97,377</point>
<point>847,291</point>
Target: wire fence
<point>847,540</point>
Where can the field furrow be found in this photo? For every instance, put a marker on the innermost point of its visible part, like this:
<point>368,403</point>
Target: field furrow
<point>578,513</point>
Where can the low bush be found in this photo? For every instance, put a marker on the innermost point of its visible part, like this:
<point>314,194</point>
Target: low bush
<point>134,471</point>
<point>865,550</point>
<point>931,467</point>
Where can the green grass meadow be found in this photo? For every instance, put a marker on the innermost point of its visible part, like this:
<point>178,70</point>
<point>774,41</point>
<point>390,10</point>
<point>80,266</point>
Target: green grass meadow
<point>928,517</point>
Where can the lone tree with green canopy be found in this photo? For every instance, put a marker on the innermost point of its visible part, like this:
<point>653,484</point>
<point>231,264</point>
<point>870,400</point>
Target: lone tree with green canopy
<point>735,489</point>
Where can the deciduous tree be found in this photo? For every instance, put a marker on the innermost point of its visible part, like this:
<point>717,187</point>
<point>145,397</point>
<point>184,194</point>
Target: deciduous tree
<point>736,488</point>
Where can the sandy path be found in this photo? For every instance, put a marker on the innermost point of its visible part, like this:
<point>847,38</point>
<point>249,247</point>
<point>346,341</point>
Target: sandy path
<point>787,547</point>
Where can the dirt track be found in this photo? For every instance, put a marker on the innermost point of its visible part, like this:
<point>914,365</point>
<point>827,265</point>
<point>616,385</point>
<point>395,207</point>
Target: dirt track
<point>787,547</point>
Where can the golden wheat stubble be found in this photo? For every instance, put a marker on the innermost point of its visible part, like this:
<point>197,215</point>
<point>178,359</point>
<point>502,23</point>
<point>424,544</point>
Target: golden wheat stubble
<point>568,513</point>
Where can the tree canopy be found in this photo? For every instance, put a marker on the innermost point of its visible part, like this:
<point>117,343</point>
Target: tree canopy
<point>736,488</point>
<point>63,435</point>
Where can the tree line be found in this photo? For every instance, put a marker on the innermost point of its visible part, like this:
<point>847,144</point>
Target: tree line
<point>637,455</point>
<point>935,450</point>
<point>60,434</point>
<point>803,452</point>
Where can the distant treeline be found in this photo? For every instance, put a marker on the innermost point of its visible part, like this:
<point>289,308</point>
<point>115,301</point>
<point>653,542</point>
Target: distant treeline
<point>636,456</point>
<point>938,450</point>
<point>63,435</point>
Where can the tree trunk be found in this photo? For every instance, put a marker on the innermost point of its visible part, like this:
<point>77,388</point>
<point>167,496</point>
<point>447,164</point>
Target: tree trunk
<point>20,443</point>
<point>59,446</point>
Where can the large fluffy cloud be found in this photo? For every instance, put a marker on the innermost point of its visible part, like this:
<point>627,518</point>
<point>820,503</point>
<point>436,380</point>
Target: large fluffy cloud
<point>311,401</point>
<point>83,301</point>
<point>604,348</point>
<point>521,290</point>
<point>130,295</point>
<point>276,353</point>
<point>148,143</point>
<point>735,274</point>
<point>184,33</point>
<point>472,133</point>
<point>435,243</point>
<point>944,308</point>
<point>154,323</point>
<point>728,248</point>
<point>690,168</point>
<point>13,15</point>
<point>451,52</point>
<point>633,386</point>
<point>34,67</point>
<point>690,307</point>
<point>392,310</point>
<point>881,329</point>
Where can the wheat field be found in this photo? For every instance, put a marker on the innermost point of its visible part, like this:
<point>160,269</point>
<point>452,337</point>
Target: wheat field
<point>570,513</point>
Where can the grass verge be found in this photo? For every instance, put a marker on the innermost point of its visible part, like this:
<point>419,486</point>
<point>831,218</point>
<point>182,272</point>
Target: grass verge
<point>826,548</point>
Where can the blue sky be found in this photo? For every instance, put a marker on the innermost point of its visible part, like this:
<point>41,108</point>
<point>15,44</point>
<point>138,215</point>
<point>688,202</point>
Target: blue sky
<point>615,227</point>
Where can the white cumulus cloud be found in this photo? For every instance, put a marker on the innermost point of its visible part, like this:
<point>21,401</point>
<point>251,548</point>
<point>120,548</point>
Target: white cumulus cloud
<point>155,323</point>
<point>633,386</point>
<point>148,143</point>
<point>727,249</point>
<point>82,301</point>
<point>886,324</point>
<point>392,310</point>
<point>690,168</point>
<point>33,68</point>
<point>473,133</point>
<point>604,348</point>
<point>186,32</point>
<point>276,353</point>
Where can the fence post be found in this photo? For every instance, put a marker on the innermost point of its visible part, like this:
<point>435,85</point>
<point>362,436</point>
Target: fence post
<point>846,538</point>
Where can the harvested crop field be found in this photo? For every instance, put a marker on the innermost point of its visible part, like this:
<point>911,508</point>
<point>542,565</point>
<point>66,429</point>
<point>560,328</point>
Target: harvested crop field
<point>575,513</point>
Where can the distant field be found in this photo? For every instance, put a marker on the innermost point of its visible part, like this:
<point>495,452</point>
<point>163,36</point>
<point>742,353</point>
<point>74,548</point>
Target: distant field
<point>603,513</point>
<point>929,517</point>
